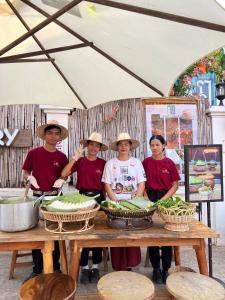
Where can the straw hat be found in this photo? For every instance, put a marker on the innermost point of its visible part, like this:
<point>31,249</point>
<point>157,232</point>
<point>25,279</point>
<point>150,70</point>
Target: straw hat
<point>124,136</point>
<point>94,137</point>
<point>41,129</point>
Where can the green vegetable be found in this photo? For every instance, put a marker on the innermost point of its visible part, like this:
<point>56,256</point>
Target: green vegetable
<point>173,202</point>
<point>141,202</point>
<point>200,163</point>
<point>68,198</point>
<point>195,180</point>
<point>129,205</point>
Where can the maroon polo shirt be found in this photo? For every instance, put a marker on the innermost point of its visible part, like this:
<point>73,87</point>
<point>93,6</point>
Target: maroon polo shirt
<point>89,173</point>
<point>160,173</point>
<point>45,166</point>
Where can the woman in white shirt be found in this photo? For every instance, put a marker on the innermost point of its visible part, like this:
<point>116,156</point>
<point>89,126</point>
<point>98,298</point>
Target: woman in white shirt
<point>124,177</point>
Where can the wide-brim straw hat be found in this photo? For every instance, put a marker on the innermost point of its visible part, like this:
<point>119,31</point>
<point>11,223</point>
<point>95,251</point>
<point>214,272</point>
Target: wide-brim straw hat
<point>41,129</point>
<point>94,137</point>
<point>124,136</point>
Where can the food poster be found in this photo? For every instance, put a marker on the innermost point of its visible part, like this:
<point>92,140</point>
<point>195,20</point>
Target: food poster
<point>177,123</point>
<point>204,173</point>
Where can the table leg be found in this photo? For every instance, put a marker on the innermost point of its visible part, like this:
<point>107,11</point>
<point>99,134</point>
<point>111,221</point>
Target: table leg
<point>177,255</point>
<point>47,256</point>
<point>201,257</point>
<point>62,249</point>
<point>75,252</point>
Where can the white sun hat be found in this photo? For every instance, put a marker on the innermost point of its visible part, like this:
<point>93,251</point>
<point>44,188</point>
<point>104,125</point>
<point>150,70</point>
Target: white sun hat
<point>94,137</point>
<point>124,136</point>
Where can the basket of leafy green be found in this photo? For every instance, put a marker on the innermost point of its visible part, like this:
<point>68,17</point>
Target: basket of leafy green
<point>195,182</point>
<point>176,213</point>
<point>70,208</point>
<point>200,166</point>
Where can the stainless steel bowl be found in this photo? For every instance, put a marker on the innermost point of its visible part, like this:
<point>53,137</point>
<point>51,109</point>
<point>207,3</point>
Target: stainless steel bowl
<point>17,214</point>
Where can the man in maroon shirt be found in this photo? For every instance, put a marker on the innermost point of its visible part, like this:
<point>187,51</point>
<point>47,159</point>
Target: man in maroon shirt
<point>42,170</point>
<point>89,174</point>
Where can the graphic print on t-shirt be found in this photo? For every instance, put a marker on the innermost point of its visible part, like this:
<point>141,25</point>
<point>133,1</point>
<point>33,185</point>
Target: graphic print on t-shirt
<point>124,183</point>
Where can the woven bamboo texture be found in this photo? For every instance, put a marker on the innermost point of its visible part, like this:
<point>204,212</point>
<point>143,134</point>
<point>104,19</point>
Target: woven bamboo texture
<point>79,221</point>
<point>176,219</point>
<point>12,158</point>
<point>128,214</point>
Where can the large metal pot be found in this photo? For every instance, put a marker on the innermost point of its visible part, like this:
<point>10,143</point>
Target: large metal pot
<point>17,214</point>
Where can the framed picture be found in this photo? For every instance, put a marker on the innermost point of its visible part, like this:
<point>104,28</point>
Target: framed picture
<point>203,173</point>
<point>176,120</point>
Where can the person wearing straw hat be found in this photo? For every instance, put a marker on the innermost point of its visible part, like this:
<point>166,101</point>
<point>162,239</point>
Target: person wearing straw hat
<point>124,177</point>
<point>42,170</point>
<point>89,174</point>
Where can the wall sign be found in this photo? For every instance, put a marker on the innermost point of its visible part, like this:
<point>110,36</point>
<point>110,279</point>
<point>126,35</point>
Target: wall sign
<point>203,173</point>
<point>15,137</point>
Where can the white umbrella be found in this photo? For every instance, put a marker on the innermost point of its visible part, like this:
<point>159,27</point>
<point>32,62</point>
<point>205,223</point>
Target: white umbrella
<point>127,48</point>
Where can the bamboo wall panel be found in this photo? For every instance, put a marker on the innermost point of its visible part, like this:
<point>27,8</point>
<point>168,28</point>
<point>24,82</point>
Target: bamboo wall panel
<point>12,158</point>
<point>130,118</point>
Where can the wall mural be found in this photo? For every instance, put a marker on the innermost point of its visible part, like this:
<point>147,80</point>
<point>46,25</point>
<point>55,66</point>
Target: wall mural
<point>177,123</point>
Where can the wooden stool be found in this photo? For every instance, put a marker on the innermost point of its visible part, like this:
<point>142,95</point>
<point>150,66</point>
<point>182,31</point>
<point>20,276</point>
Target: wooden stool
<point>189,285</point>
<point>48,287</point>
<point>15,264</point>
<point>15,255</point>
<point>123,285</point>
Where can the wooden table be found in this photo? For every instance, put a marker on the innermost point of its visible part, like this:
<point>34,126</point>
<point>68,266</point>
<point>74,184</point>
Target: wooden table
<point>103,236</point>
<point>36,238</point>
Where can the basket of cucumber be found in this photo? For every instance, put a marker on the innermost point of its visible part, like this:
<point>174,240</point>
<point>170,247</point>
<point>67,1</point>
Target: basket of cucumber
<point>71,213</point>
<point>135,213</point>
<point>176,213</point>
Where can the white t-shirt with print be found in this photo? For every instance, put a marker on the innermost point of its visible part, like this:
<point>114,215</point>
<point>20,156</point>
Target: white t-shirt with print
<point>124,176</point>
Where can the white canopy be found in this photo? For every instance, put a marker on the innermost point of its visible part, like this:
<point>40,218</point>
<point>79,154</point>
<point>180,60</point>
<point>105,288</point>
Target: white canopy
<point>139,48</point>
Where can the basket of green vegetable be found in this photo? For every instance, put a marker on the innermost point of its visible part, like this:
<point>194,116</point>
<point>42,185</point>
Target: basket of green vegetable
<point>176,213</point>
<point>135,213</point>
<point>69,213</point>
<point>200,166</point>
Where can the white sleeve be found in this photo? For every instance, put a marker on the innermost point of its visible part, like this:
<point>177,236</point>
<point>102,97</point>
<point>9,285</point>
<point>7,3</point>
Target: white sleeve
<point>107,173</point>
<point>141,176</point>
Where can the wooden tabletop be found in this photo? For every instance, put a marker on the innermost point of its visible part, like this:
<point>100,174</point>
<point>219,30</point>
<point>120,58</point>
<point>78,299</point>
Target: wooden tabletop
<point>103,232</point>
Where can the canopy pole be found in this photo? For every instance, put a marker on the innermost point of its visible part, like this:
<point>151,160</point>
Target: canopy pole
<point>39,26</point>
<point>48,56</point>
<point>13,61</point>
<point>161,15</point>
<point>52,50</point>
<point>107,56</point>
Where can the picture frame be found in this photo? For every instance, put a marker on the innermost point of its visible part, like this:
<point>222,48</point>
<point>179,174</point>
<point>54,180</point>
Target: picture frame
<point>176,120</point>
<point>203,173</point>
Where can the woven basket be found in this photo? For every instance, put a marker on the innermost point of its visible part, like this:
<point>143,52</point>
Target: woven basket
<point>81,216</point>
<point>176,219</point>
<point>128,214</point>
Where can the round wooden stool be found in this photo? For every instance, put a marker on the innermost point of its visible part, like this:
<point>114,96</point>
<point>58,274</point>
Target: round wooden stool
<point>123,285</point>
<point>191,286</point>
<point>48,287</point>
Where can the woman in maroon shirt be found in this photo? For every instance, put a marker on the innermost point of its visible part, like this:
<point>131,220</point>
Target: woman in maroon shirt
<point>89,174</point>
<point>162,183</point>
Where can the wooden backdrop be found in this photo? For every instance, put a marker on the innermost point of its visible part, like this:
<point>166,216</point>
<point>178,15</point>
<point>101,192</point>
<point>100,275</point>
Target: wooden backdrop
<point>11,159</point>
<point>130,117</point>
<point>108,119</point>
